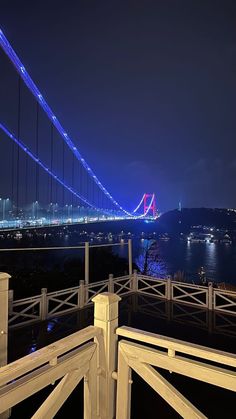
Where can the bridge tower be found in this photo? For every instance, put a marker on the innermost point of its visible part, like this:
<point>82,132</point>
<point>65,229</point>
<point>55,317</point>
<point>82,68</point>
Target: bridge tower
<point>147,200</point>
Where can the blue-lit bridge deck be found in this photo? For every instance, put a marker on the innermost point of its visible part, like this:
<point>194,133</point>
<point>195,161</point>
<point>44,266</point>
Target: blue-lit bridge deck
<point>16,225</point>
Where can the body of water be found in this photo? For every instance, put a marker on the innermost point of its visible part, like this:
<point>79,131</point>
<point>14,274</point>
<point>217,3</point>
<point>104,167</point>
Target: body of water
<point>169,257</point>
<point>152,254</point>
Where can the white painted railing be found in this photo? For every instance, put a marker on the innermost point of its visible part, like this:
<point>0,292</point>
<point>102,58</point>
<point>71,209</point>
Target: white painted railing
<point>92,353</point>
<point>61,302</point>
<point>198,362</point>
<point>152,286</point>
<point>26,311</point>
<point>122,285</point>
<point>92,290</point>
<point>189,294</point>
<point>48,305</point>
<point>70,359</point>
<point>89,354</point>
<point>224,301</point>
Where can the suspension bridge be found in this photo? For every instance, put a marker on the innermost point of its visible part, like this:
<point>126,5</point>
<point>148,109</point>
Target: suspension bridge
<point>44,178</point>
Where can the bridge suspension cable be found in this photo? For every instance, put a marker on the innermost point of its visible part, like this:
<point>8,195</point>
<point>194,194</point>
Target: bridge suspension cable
<point>4,43</point>
<point>43,166</point>
<point>50,172</point>
<point>148,208</point>
<point>139,205</point>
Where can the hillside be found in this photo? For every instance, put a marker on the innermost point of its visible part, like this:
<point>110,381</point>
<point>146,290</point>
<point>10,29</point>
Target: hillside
<point>182,221</point>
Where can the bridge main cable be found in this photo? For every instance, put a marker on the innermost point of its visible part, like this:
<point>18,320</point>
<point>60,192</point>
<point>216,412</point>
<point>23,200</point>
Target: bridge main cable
<point>6,46</point>
<point>139,205</point>
<point>43,166</point>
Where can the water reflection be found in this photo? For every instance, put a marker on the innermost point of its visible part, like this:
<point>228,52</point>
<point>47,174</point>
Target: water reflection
<point>211,259</point>
<point>201,255</point>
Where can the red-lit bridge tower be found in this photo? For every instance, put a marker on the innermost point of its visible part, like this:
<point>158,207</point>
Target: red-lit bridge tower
<point>149,204</point>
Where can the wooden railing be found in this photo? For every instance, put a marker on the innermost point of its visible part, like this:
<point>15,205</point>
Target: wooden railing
<point>204,365</point>
<point>69,359</point>
<point>91,354</point>
<point>48,305</point>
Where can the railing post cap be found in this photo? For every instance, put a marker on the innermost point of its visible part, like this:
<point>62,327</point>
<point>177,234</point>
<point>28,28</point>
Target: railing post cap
<point>105,307</point>
<point>4,275</point>
<point>106,298</point>
<point>4,281</point>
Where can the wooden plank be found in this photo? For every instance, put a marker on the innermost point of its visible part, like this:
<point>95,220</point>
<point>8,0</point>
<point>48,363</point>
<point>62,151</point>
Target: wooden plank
<point>24,387</point>
<point>91,389</point>
<point>184,366</point>
<point>101,364</point>
<point>199,351</point>
<point>123,400</point>
<point>40,357</point>
<point>169,393</point>
<point>59,395</point>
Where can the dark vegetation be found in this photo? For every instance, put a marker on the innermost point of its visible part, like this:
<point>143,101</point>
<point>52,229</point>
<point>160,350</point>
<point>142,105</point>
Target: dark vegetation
<point>32,271</point>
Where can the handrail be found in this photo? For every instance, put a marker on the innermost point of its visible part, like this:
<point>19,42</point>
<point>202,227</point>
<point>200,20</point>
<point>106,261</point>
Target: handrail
<point>29,249</point>
<point>120,278</point>
<point>63,291</point>
<point>29,362</point>
<point>219,291</point>
<point>188,285</point>
<point>27,299</point>
<point>198,351</point>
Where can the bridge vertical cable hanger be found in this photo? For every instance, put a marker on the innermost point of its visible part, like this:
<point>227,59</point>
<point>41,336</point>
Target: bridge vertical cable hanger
<point>42,102</point>
<point>63,175</point>
<point>37,166</point>
<point>18,148</point>
<point>90,175</point>
<point>42,165</point>
<point>51,163</point>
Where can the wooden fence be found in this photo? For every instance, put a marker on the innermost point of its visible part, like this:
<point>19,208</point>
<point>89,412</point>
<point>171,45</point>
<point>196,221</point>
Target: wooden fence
<point>91,355</point>
<point>48,305</point>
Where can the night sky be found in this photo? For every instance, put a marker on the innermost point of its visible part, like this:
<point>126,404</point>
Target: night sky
<point>146,89</point>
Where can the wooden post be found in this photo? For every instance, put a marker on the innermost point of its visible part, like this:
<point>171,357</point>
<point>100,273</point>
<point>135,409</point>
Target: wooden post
<point>134,289</point>
<point>4,285</point>
<point>43,305</point>
<point>110,283</point>
<point>210,296</point>
<point>130,257</point>
<point>81,293</point>
<point>106,317</point>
